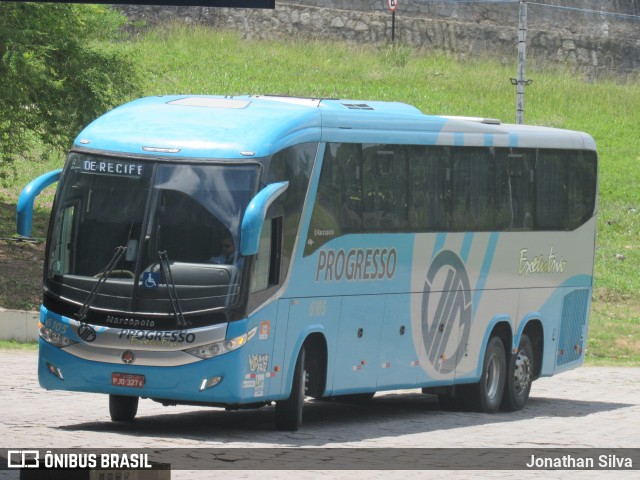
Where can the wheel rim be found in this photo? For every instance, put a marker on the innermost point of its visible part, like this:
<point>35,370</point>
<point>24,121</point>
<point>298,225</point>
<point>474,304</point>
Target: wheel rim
<point>493,377</point>
<point>522,372</point>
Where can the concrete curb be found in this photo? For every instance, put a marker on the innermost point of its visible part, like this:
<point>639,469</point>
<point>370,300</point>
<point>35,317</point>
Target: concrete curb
<point>21,325</point>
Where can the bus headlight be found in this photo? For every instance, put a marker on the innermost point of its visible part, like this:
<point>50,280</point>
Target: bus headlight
<point>220,348</point>
<point>54,338</point>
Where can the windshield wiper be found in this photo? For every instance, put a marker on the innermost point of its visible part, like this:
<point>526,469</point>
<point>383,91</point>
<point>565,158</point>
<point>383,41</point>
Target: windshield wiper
<point>117,256</point>
<point>171,288</point>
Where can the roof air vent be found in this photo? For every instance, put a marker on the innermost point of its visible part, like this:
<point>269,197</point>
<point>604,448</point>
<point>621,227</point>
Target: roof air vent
<point>358,106</point>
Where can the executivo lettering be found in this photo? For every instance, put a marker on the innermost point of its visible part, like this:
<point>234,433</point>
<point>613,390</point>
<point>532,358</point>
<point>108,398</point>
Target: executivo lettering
<point>551,263</point>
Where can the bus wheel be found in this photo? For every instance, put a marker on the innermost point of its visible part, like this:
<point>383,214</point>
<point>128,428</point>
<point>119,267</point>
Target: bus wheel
<point>289,411</point>
<point>487,393</point>
<point>516,391</point>
<point>123,408</point>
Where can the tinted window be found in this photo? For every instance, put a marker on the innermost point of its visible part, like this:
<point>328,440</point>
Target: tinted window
<point>402,188</point>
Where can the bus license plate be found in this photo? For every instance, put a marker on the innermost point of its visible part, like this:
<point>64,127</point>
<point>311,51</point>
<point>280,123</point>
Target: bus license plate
<point>127,380</point>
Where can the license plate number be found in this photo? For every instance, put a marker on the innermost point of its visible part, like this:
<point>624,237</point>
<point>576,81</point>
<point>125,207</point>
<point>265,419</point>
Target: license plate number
<point>127,380</point>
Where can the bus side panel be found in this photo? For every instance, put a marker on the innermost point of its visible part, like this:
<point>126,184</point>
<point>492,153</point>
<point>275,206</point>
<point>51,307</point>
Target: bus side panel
<point>399,366</point>
<point>358,352</point>
<point>279,332</point>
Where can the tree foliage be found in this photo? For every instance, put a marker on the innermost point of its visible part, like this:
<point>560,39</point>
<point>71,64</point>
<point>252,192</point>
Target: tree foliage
<point>61,65</point>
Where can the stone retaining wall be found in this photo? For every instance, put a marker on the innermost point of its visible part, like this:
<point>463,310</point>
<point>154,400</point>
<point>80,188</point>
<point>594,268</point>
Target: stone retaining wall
<point>590,42</point>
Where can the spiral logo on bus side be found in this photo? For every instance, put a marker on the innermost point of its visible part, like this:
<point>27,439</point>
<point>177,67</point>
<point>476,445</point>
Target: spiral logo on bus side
<point>446,302</point>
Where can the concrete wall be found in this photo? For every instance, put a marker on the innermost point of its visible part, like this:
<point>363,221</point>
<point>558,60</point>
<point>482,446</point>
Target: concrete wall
<point>591,42</point>
<point>19,325</point>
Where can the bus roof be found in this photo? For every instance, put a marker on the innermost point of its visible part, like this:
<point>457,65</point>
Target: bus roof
<point>242,127</point>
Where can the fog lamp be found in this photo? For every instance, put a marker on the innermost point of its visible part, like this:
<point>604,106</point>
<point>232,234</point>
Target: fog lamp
<point>55,371</point>
<point>210,382</point>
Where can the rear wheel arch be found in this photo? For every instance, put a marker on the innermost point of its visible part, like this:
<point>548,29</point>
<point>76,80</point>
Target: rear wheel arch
<point>535,331</point>
<point>503,331</point>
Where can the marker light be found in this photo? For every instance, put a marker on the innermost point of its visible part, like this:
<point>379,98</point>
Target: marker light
<point>54,338</point>
<point>212,350</point>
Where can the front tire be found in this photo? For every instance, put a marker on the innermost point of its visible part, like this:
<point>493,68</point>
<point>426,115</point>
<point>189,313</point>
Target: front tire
<point>123,408</point>
<point>486,395</point>
<point>289,411</point>
<point>520,375</point>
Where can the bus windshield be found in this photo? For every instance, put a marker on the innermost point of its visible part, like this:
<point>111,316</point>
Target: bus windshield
<point>188,214</point>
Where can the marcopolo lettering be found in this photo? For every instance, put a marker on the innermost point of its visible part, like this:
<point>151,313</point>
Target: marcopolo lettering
<point>130,322</point>
<point>357,264</point>
<point>101,166</point>
<point>158,336</point>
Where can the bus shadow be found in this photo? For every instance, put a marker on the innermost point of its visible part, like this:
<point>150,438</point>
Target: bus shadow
<point>325,422</point>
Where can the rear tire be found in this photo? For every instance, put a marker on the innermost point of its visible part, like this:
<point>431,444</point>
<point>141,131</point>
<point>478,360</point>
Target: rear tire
<point>519,378</point>
<point>289,411</point>
<point>123,408</point>
<point>486,395</point>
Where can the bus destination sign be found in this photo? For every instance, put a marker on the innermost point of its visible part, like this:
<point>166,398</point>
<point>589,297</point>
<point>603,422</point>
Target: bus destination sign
<point>112,168</point>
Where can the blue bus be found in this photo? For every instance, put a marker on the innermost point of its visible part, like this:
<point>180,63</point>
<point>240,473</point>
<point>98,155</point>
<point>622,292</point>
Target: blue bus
<point>243,251</point>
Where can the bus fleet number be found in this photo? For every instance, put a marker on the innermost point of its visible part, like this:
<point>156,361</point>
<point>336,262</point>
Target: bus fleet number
<point>317,308</point>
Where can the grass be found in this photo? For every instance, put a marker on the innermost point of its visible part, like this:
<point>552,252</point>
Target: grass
<point>16,345</point>
<point>190,59</point>
<point>614,333</point>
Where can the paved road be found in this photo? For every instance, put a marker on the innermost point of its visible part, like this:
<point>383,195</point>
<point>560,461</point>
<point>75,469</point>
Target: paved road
<point>588,407</point>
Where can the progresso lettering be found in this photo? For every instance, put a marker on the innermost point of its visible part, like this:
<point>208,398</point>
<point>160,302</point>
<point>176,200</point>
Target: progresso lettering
<point>158,336</point>
<point>357,264</point>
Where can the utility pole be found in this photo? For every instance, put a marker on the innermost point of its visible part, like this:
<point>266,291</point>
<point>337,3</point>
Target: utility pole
<point>520,82</point>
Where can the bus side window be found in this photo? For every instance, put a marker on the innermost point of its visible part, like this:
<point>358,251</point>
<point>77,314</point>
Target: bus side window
<point>551,189</point>
<point>347,179</point>
<point>62,262</point>
<point>581,192</point>
<point>473,191</point>
<point>266,267</point>
<point>384,195</point>
<point>515,189</point>
<point>429,188</point>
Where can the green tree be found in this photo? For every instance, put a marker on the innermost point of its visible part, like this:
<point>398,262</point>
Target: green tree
<point>61,65</point>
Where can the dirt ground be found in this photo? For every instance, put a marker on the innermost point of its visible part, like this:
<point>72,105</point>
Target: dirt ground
<point>21,263</point>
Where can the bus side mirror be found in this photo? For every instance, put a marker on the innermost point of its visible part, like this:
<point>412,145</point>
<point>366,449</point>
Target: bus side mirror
<point>24,209</point>
<point>254,217</point>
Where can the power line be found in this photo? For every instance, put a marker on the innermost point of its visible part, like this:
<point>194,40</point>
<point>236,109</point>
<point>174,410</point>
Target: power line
<point>625,16</point>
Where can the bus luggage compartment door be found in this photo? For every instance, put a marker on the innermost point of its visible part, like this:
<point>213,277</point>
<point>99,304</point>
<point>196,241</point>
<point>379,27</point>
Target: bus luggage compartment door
<point>358,347</point>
